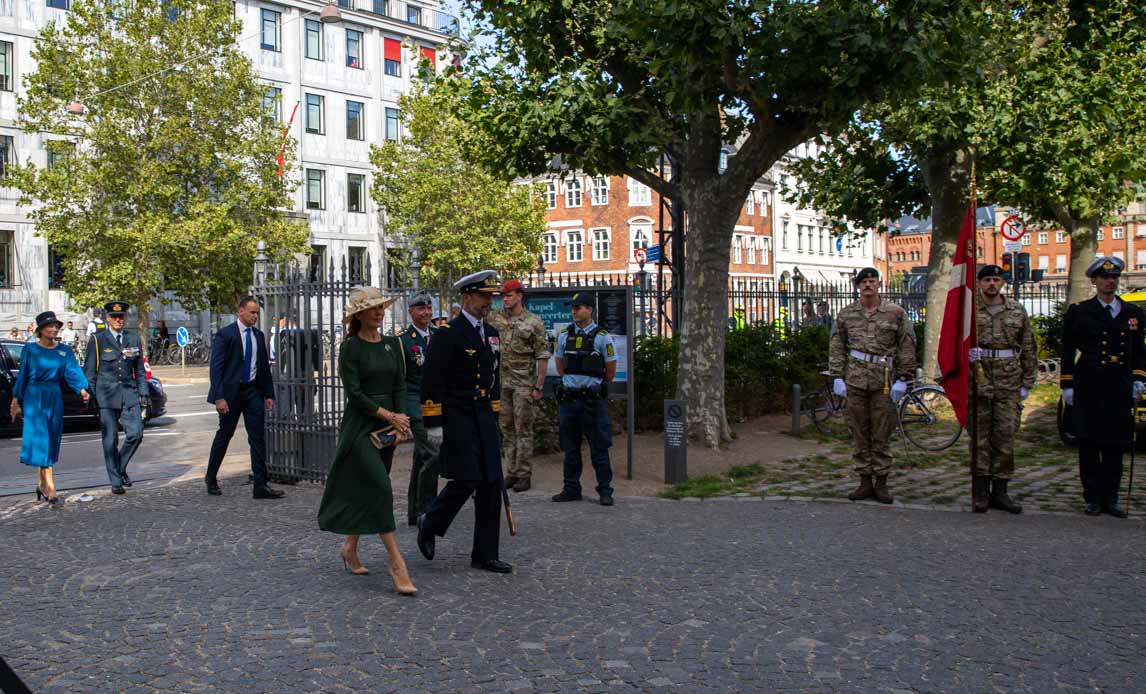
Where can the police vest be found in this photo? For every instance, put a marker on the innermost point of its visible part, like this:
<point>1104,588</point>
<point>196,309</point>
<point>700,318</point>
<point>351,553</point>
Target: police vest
<point>581,359</point>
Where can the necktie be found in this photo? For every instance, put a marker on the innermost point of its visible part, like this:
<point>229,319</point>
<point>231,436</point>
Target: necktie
<point>247,352</point>
<point>481,330</point>
<point>119,339</point>
<point>1110,309</point>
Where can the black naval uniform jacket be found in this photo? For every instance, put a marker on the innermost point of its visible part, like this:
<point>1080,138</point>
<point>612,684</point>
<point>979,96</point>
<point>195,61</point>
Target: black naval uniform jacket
<point>461,393</point>
<point>1111,355</point>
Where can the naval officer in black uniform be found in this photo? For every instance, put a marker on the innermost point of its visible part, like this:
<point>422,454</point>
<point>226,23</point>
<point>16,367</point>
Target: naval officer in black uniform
<point>1101,387</point>
<point>461,394</point>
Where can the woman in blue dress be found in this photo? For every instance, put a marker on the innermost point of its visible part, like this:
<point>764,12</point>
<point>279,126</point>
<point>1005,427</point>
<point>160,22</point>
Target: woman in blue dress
<point>44,367</point>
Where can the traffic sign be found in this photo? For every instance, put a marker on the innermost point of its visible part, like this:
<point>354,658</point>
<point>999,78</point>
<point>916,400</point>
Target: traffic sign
<point>1012,228</point>
<point>642,256</point>
<point>182,337</point>
<point>1012,246</point>
<point>652,254</point>
<point>839,244</point>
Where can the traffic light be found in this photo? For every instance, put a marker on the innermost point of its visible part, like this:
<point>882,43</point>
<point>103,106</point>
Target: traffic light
<point>1023,267</point>
<point>1007,265</point>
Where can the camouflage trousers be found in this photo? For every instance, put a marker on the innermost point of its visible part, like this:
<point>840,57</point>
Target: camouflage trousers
<point>871,416</point>
<point>995,427</point>
<point>517,408</point>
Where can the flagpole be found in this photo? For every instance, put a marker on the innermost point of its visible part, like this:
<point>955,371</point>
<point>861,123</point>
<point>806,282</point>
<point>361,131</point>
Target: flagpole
<point>973,389</point>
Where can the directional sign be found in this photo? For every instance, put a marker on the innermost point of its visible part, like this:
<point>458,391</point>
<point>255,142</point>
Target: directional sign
<point>839,244</point>
<point>1012,228</point>
<point>652,254</point>
<point>182,337</point>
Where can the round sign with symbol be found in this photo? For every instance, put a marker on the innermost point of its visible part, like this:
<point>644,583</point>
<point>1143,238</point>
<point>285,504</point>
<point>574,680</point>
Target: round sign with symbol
<point>1012,228</point>
<point>641,255</point>
<point>182,337</point>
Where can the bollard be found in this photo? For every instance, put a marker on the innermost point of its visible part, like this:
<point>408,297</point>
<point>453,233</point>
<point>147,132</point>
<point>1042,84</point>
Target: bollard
<point>795,408</point>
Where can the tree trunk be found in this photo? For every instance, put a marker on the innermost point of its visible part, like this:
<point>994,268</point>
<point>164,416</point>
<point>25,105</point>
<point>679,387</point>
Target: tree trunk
<point>947,174</point>
<point>1083,250</point>
<point>700,379</point>
<point>143,308</point>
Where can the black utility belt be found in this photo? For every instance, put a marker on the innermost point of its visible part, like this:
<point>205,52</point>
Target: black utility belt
<point>566,394</point>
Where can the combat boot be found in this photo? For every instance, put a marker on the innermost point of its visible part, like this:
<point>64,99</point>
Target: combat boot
<point>980,490</point>
<point>882,493</point>
<point>1000,500</point>
<point>864,491</point>
<point>521,485</point>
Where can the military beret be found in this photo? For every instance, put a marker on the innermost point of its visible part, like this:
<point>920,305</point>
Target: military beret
<point>484,281</point>
<point>865,273</point>
<point>511,286</point>
<point>582,299</point>
<point>113,307</point>
<point>990,271</point>
<point>421,299</point>
<point>1106,265</point>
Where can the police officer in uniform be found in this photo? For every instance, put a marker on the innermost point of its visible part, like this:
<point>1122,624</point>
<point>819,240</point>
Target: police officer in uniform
<point>460,404</point>
<point>114,368</point>
<point>873,343</point>
<point>586,360</point>
<point>415,345</point>
<point>1105,382</point>
<point>1006,371</point>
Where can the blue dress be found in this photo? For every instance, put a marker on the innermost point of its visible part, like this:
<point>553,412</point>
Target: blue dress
<point>38,389</point>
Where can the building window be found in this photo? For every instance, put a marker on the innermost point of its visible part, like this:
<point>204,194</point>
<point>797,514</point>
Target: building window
<point>315,105</point>
<point>737,252</point>
<point>639,236</point>
<point>58,152</point>
<point>58,4</point>
<point>354,49</point>
<point>784,235</point>
<point>1140,262</point>
<point>600,194</point>
<point>1121,255</point>
<point>315,183</point>
<point>313,39</point>
<point>355,193</point>
<point>7,253</point>
<point>573,193</point>
<point>356,262</point>
<point>7,153</point>
<point>1059,236</point>
<point>750,205</point>
<point>7,70</point>
<point>799,237</point>
<point>823,237</point>
<point>271,38</point>
<point>1044,237</point>
<point>550,241</point>
<point>1118,233</point>
<point>600,244</point>
<point>763,251</point>
<point>55,269</point>
<point>639,193</point>
<point>723,161</point>
<point>392,57</point>
<point>1060,263</point>
<point>273,103</point>
<point>574,246</point>
<point>551,195</point>
<point>355,127</point>
<point>1026,239</point>
<point>316,264</point>
<point>1100,235</point>
<point>1044,262</point>
<point>391,124</point>
<point>413,14</point>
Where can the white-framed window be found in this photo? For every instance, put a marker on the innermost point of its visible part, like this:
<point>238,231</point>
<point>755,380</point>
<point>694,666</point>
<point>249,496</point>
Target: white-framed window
<point>393,124</point>
<point>799,237</point>
<point>1060,263</point>
<point>751,241</point>
<point>737,252</point>
<point>1100,235</point>
<point>551,195</point>
<point>355,121</point>
<point>355,192</point>
<point>639,193</point>
<point>600,243</point>
<point>600,193</point>
<point>1140,260</point>
<point>1059,236</point>
<point>354,49</point>
<point>784,235</point>
<point>1044,237</point>
<point>1118,233</point>
<point>750,205</point>
<point>549,244</point>
<point>7,71</point>
<point>1044,262</point>
<point>723,161</point>
<point>1026,239</point>
<point>271,28</point>
<point>1121,255</point>
<point>573,192</point>
<point>574,246</point>
<point>315,189</point>
<point>1139,230</point>
<point>764,247</point>
<point>273,103</point>
<point>315,106</point>
<point>639,236</point>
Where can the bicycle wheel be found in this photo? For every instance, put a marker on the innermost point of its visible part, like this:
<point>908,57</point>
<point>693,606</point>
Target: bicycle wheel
<point>927,419</point>
<point>815,407</point>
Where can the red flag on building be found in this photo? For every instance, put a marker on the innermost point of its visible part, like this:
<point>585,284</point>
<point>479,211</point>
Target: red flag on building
<point>958,333</point>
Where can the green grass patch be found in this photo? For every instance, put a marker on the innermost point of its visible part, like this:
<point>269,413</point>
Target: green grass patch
<point>741,478</point>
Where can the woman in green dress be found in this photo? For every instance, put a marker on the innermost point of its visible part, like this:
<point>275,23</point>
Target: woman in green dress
<point>358,499</point>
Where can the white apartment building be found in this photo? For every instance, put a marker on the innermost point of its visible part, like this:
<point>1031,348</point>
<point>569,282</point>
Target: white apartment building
<point>805,247</point>
<point>345,77</point>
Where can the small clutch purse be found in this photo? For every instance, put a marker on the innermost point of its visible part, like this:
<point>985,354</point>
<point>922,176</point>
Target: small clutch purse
<point>383,438</point>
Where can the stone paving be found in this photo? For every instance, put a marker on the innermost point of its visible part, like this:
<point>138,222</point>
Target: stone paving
<point>171,590</point>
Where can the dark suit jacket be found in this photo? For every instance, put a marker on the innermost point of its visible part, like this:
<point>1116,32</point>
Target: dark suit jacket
<point>227,365</point>
<point>116,376</point>
<point>460,393</point>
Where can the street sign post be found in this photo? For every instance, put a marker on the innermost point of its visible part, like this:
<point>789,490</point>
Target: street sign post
<point>182,338</point>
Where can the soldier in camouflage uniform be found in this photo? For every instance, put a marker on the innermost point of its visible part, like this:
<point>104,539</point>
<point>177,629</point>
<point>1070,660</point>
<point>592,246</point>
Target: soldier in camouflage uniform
<point>1006,369</point>
<point>873,343</point>
<point>524,356</point>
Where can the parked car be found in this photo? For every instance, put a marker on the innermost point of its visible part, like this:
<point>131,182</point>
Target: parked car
<point>75,411</point>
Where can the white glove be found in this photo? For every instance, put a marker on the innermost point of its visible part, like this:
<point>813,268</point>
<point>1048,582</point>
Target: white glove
<point>1068,396</point>
<point>898,390</point>
<point>839,388</point>
<point>434,439</point>
<point>974,354</point>
<point>1023,392</point>
<point>1139,389</point>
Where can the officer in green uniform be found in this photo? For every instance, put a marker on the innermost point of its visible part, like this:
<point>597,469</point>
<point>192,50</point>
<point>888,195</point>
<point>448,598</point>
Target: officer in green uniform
<point>415,345</point>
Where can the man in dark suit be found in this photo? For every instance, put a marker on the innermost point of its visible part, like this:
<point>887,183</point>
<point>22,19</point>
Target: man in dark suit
<point>118,380</point>
<point>1104,384</point>
<point>460,403</point>
<point>241,385</point>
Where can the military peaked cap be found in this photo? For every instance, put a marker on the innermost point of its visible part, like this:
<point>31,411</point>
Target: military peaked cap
<point>1107,265</point>
<point>484,281</point>
<point>114,307</point>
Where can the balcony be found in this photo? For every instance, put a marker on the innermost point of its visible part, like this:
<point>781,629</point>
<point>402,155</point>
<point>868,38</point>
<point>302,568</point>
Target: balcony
<point>407,12</point>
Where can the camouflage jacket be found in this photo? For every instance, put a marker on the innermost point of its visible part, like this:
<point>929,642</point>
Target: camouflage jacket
<point>1008,328</point>
<point>885,332</point>
<point>523,342</point>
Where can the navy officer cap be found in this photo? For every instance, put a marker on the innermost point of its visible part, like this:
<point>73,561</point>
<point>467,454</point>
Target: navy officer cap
<point>990,271</point>
<point>484,281</point>
<point>865,273</point>
<point>113,307</point>
<point>582,299</point>
<point>1106,265</point>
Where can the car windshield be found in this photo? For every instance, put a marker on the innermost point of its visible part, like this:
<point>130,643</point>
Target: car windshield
<point>14,350</point>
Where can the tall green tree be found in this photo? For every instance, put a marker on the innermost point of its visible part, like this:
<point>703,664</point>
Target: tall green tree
<point>612,85</point>
<point>460,216</point>
<point>168,179</point>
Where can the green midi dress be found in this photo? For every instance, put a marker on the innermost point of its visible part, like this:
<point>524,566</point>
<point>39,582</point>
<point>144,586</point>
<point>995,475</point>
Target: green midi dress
<point>358,499</point>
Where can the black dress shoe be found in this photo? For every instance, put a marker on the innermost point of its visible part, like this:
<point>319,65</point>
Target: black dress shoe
<point>1091,508</point>
<point>118,490</point>
<point>425,538</point>
<point>126,479</point>
<point>213,489</point>
<point>495,565</point>
<point>607,500</point>
<point>268,493</point>
<point>1115,509</point>
<point>564,496</point>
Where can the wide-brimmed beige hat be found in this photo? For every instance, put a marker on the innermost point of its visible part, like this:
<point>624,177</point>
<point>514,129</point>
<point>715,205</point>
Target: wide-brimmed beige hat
<point>362,299</point>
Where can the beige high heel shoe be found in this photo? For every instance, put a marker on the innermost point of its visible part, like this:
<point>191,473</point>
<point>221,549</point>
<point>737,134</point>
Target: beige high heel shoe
<point>351,563</point>
<point>402,582</point>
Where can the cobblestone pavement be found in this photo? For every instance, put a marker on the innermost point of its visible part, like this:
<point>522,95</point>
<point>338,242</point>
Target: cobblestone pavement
<point>171,590</point>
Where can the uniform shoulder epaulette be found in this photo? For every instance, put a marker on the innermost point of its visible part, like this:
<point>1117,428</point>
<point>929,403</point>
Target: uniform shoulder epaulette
<point>602,331</point>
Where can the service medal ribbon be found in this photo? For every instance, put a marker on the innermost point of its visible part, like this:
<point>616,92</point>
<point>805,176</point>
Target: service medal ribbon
<point>1133,323</point>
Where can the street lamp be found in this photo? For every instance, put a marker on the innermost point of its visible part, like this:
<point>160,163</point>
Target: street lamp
<point>330,14</point>
<point>541,270</point>
<point>415,266</point>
